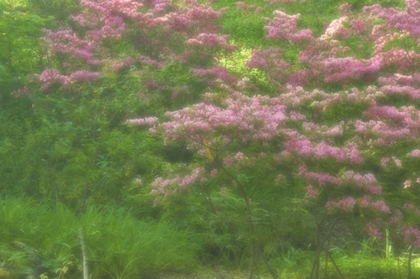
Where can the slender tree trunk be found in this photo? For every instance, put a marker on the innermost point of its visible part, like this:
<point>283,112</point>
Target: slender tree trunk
<point>84,255</point>
<point>254,246</point>
<point>319,247</point>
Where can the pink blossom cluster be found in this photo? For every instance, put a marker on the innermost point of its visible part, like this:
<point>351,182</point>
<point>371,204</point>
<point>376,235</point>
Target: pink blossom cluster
<point>373,230</point>
<point>414,153</point>
<point>408,20</point>
<point>272,61</point>
<point>318,49</point>
<point>216,72</point>
<point>388,135</point>
<point>145,60</point>
<point>349,203</point>
<point>296,97</point>
<point>366,182</point>
<point>324,130</point>
<point>250,117</point>
<point>238,158</point>
<point>262,58</point>
<point>390,113</point>
<point>102,22</point>
<point>326,55</point>
<point>83,76</point>
<point>194,19</point>
<point>346,204</point>
<point>52,76</point>
<point>385,161</point>
<point>161,27</point>
<point>320,178</point>
<point>389,124</point>
<point>380,206</point>
<point>67,42</point>
<point>397,84</point>
<point>311,192</point>
<point>338,69</point>
<point>404,60</point>
<point>407,184</point>
<point>306,148</point>
<point>412,236</point>
<point>345,8</point>
<point>284,27</point>
<point>170,186</point>
<point>120,64</point>
<point>211,40</point>
<point>147,121</point>
<point>335,28</point>
<point>159,6</point>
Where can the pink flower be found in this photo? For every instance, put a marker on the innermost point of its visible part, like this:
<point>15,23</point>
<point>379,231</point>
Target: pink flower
<point>346,204</point>
<point>345,8</point>
<point>380,206</point>
<point>397,161</point>
<point>407,184</point>
<point>412,236</point>
<point>373,230</point>
<point>364,202</point>
<point>147,121</point>
<point>384,162</point>
<point>284,27</point>
<point>415,153</point>
<point>334,28</point>
<point>83,76</point>
<point>311,192</point>
<point>213,172</point>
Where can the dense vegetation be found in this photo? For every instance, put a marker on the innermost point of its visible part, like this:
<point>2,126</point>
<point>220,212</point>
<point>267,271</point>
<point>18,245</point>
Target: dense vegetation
<point>274,139</point>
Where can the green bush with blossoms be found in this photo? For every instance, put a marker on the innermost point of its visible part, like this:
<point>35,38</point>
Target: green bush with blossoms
<point>337,151</point>
<point>321,126</point>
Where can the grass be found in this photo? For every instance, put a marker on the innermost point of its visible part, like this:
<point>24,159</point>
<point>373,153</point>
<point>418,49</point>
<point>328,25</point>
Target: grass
<point>119,246</point>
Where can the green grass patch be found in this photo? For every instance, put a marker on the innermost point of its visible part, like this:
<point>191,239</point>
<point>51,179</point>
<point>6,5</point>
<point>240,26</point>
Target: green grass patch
<point>119,246</point>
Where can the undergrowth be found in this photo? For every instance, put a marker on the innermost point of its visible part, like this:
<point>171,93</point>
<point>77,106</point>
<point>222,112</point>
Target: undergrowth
<point>119,246</point>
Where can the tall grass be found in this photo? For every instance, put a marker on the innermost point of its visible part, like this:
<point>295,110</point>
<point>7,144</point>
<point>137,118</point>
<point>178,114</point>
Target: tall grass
<point>119,246</point>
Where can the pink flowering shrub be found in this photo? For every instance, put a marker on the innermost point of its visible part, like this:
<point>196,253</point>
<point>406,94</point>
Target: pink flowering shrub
<point>113,36</point>
<point>340,112</point>
<point>334,121</point>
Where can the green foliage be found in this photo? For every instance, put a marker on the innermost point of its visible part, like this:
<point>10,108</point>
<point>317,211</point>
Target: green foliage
<point>119,245</point>
<point>293,263</point>
<point>54,8</point>
<point>371,267</point>
<point>73,148</point>
<point>20,51</point>
<point>246,28</point>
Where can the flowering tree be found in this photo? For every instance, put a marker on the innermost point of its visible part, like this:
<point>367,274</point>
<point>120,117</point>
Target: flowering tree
<point>114,60</point>
<point>340,115</point>
<point>336,141</point>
